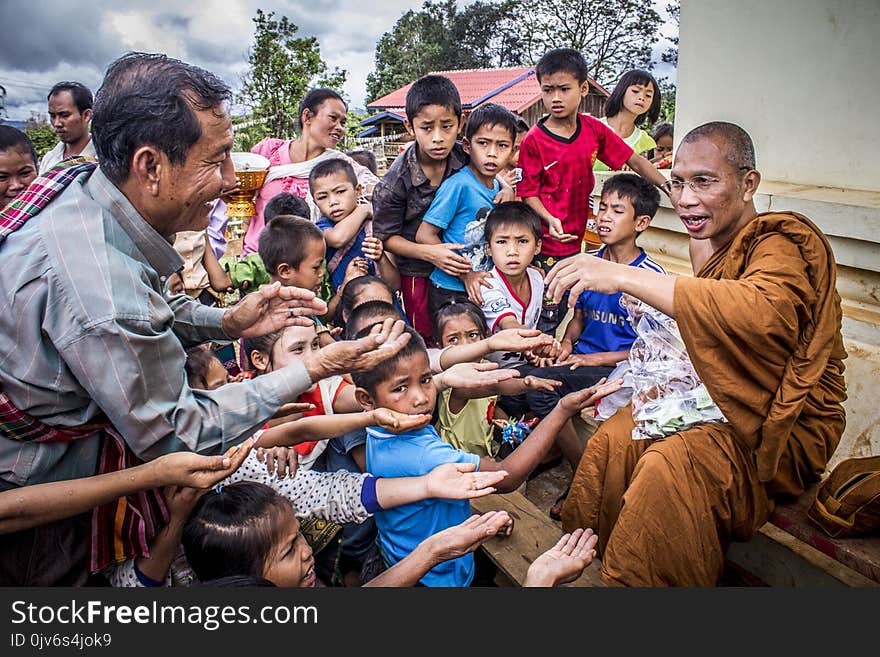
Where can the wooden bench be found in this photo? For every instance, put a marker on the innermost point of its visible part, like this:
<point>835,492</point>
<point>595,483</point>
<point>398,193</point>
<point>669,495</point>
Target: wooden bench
<point>792,551</point>
<point>533,533</point>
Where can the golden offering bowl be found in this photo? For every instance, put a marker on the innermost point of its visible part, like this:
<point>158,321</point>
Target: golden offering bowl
<point>251,170</point>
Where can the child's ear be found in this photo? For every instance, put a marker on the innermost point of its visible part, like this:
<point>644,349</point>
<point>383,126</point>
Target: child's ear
<point>642,223</point>
<point>364,399</point>
<point>260,360</point>
<point>359,190</point>
<point>408,127</point>
<point>466,145</point>
<point>585,87</point>
<point>283,270</point>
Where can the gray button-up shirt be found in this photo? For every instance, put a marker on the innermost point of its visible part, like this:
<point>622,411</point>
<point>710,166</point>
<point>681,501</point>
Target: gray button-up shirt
<point>84,328</point>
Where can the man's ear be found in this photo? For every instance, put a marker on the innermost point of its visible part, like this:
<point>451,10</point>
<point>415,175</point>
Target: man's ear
<point>750,185</point>
<point>87,115</point>
<point>642,223</point>
<point>147,167</point>
<point>260,360</point>
<point>364,399</point>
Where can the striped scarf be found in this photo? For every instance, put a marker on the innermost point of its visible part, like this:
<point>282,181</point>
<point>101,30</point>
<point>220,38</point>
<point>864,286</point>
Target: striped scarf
<point>123,528</point>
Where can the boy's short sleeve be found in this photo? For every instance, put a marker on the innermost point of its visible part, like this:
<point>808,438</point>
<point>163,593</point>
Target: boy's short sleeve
<point>613,151</point>
<point>445,204</point>
<point>496,306</point>
<point>324,224</point>
<point>530,163</point>
<point>389,209</point>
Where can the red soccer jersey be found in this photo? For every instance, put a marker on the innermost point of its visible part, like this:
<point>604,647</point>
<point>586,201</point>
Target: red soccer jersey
<point>559,172</point>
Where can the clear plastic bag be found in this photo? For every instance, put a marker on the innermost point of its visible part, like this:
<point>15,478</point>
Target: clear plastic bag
<point>607,406</point>
<point>667,394</point>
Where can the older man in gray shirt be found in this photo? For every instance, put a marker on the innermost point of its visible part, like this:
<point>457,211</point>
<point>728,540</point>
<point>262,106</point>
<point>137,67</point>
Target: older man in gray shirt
<point>88,335</point>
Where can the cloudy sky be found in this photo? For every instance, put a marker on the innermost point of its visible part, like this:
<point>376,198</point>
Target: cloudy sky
<point>53,40</point>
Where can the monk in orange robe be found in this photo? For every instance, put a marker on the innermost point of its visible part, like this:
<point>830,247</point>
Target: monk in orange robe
<point>761,321</point>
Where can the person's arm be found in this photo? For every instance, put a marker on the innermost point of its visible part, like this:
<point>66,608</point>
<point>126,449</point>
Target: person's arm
<point>526,456</point>
<point>165,546</point>
<point>642,166</point>
<point>505,340</point>
<point>322,427</point>
<point>340,234</point>
<point>572,334</point>
<point>428,234</point>
<point>217,276</point>
<point>356,267</point>
<point>450,543</point>
<point>472,376</point>
<point>388,271</point>
<point>38,504</point>
<point>596,359</point>
<point>459,397</point>
<point>587,272</point>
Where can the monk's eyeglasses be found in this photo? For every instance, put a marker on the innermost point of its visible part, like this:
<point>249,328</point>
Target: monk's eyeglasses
<point>698,184</point>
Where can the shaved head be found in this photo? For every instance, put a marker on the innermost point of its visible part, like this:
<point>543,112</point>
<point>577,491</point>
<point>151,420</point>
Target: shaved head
<point>735,141</point>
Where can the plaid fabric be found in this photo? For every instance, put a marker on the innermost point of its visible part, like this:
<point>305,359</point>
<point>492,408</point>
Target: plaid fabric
<point>123,528</point>
<point>40,192</point>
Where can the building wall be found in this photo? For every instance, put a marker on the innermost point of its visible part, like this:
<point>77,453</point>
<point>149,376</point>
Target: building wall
<point>801,77</point>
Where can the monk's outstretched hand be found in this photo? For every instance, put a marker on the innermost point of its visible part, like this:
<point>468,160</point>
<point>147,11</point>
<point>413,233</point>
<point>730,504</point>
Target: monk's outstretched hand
<point>582,272</point>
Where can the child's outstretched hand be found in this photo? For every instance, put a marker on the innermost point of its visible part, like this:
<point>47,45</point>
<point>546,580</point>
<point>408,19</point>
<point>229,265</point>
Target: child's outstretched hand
<point>357,267</point>
<point>458,481</point>
<point>575,402</point>
<point>539,383</point>
<point>557,232</point>
<point>280,461</point>
<point>518,339</point>
<point>466,537</point>
<point>198,471</point>
<point>565,561</point>
<point>373,248</point>
<point>399,422</point>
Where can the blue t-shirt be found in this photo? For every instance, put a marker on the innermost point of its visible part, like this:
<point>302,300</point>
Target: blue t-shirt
<point>460,208</point>
<point>356,251</point>
<point>606,327</point>
<point>402,528</point>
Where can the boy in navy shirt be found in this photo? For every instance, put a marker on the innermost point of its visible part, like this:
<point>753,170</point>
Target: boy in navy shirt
<point>599,334</point>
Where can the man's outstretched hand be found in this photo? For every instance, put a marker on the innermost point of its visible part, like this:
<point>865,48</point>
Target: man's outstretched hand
<point>384,341</point>
<point>271,308</point>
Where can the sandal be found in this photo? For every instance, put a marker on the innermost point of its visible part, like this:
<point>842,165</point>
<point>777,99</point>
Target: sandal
<point>557,515</point>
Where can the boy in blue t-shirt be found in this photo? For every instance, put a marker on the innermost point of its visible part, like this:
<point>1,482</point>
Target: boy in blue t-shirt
<point>457,215</point>
<point>599,334</point>
<point>405,383</point>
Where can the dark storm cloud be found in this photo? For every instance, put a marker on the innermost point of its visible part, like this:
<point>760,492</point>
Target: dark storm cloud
<point>48,33</point>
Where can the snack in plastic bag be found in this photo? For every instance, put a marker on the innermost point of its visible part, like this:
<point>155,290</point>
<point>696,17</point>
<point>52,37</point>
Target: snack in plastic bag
<point>667,394</point>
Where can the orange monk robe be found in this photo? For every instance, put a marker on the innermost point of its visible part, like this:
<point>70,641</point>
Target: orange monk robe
<point>761,322</point>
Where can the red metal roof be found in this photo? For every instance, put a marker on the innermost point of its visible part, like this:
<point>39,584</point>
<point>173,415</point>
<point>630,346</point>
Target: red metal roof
<point>514,88</point>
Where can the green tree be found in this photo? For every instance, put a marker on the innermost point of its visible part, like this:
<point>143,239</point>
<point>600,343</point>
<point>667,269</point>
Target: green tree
<point>41,133</point>
<point>440,37</point>
<point>670,56</point>
<point>282,68</point>
<point>613,35</point>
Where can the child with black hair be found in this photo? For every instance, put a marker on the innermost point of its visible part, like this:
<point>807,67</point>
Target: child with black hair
<point>360,290</point>
<point>459,209</point>
<point>557,158</point>
<point>18,163</point>
<point>347,227</point>
<point>661,156</point>
<point>366,159</point>
<point>286,203</point>
<point>405,384</point>
<point>464,419</point>
<point>599,334</point>
<point>634,101</point>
